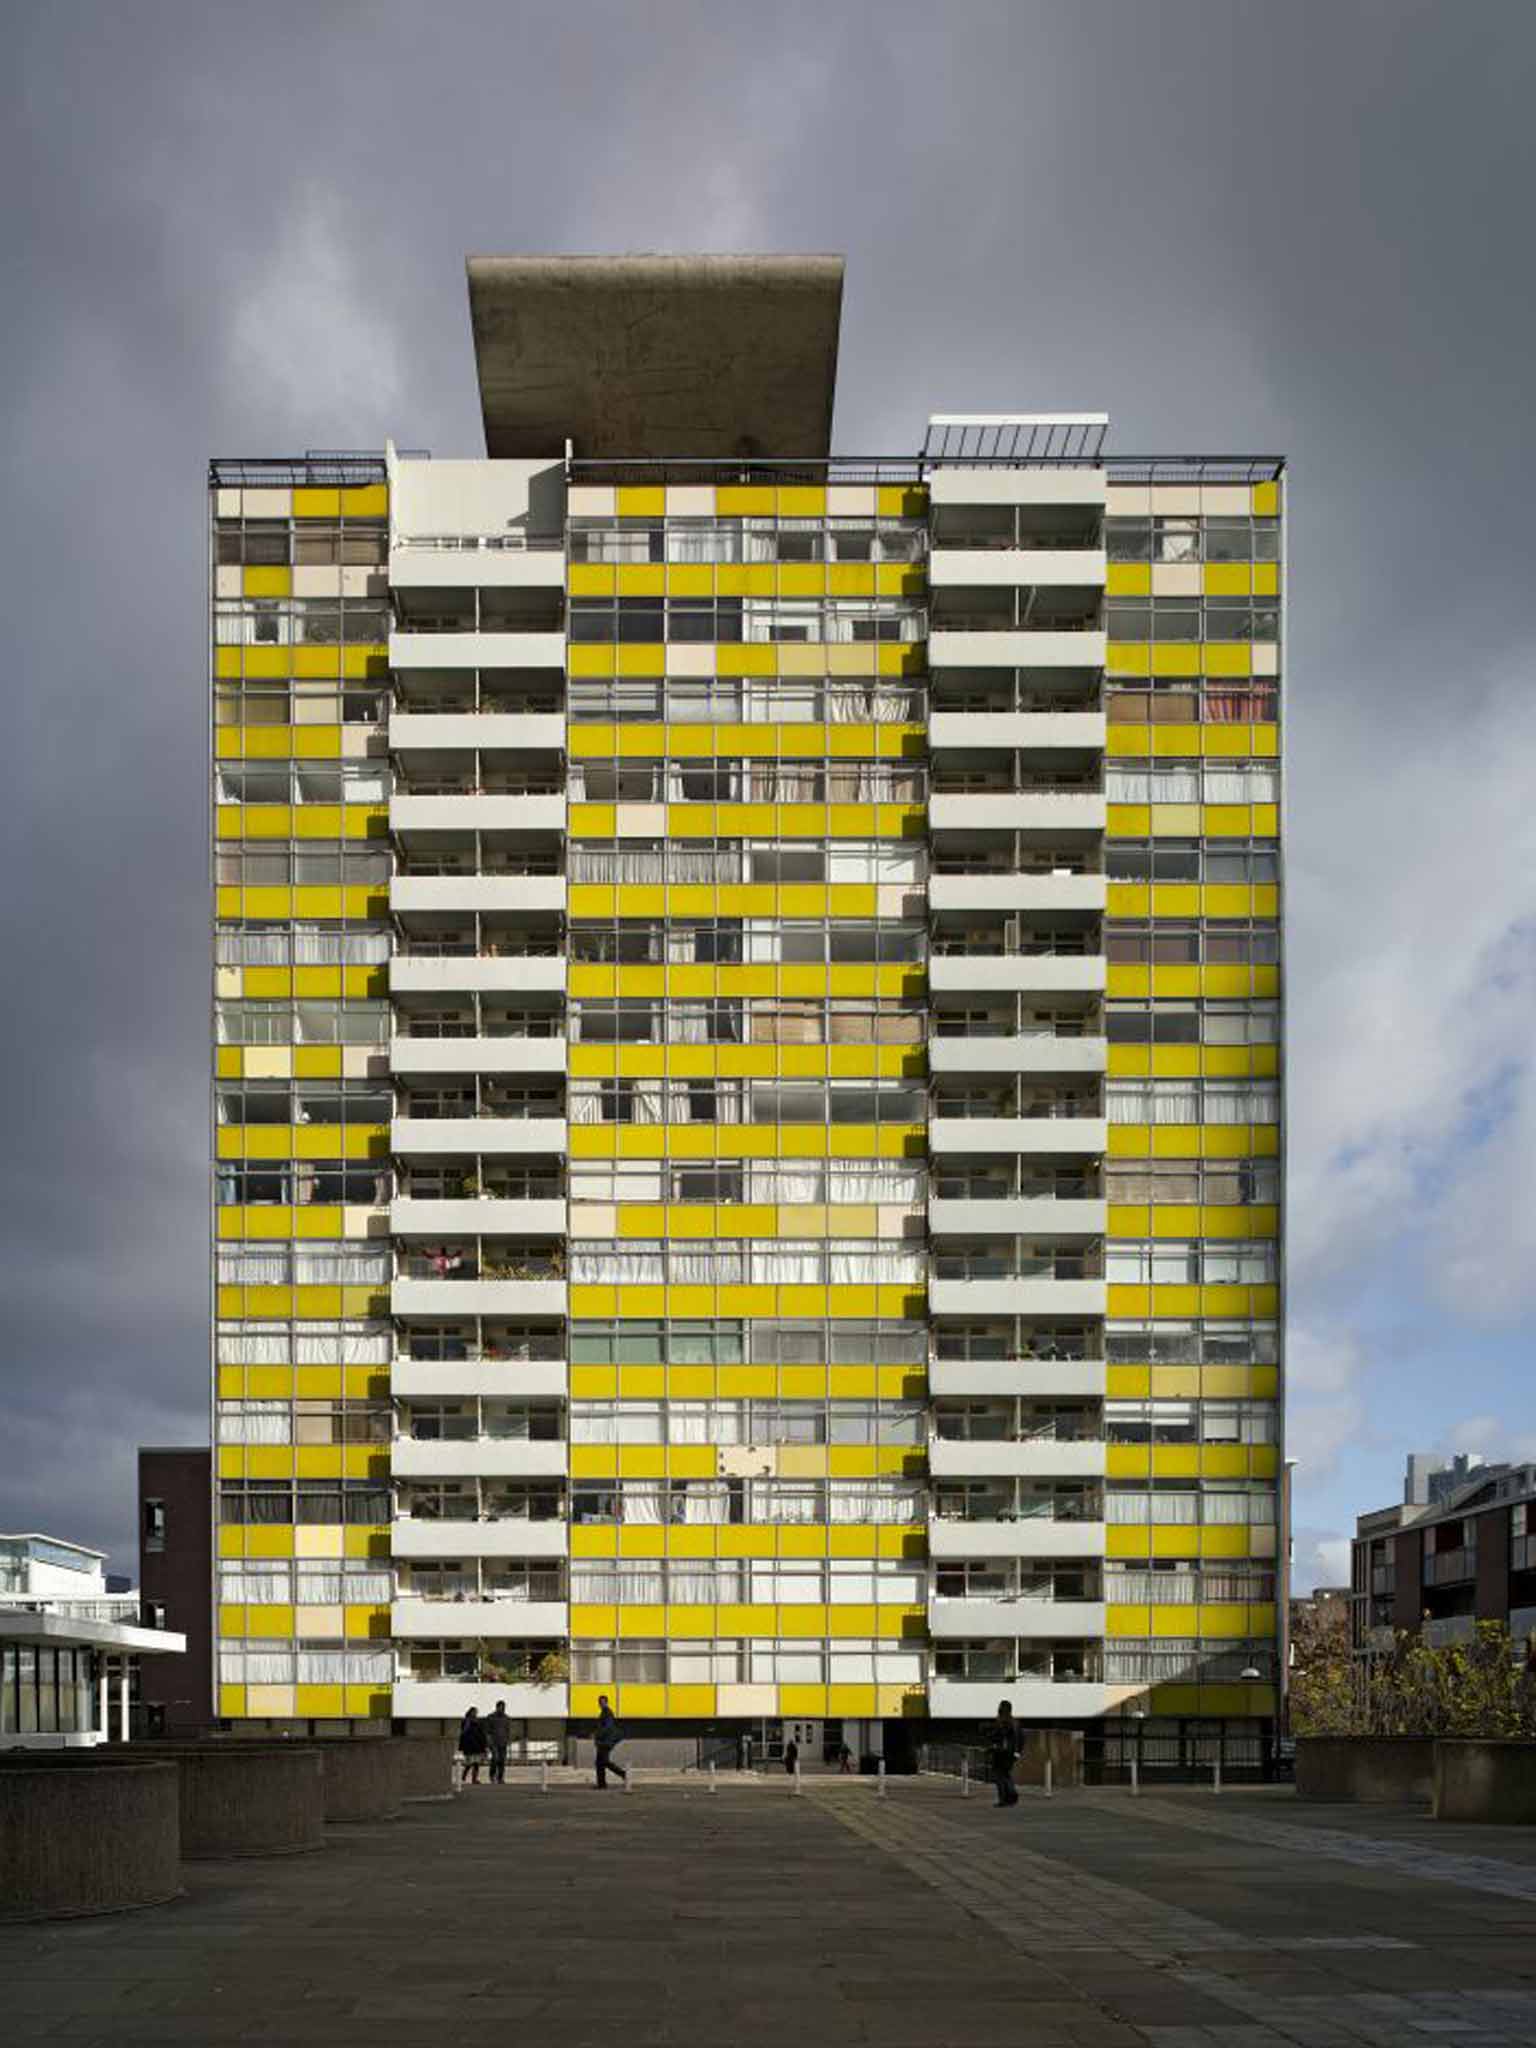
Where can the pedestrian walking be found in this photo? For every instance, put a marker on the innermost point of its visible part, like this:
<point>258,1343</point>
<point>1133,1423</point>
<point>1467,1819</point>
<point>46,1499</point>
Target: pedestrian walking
<point>473,1745</point>
<point>1002,1739</point>
<point>606,1737</point>
<point>844,1760</point>
<point>791,1756</point>
<point>498,1735</point>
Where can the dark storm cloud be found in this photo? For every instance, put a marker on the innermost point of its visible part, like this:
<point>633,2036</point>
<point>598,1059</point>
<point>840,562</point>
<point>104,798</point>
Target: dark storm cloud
<point>236,231</point>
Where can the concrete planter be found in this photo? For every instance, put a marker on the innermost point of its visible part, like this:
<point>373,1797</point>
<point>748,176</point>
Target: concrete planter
<point>426,1766</point>
<point>1366,1770</point>
<point>245,1798</point>
<point>1486,1781</point>
<point>363,1778</point>
<point>80,1835</point>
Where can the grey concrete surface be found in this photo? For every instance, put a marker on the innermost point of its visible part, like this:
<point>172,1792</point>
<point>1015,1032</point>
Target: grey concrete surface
<point>921,1920</point>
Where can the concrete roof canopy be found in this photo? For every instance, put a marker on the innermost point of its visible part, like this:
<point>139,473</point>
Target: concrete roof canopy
<point>649,357</point>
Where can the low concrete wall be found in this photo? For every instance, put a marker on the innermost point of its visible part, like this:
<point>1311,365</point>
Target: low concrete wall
<point>363,1778</point>
<point>1367,1770</point>
<point>245,1798</point>
<point>425,1763</point>
<point>83,1833</point>
<point>1486,1781</point>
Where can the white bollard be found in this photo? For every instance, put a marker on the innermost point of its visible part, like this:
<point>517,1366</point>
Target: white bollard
<point>711,1777</point>
<point>544,1776</point>
<point>1049,1769</point>
<point>880,1779</point>
<point>795,1784</point>
<point>965,1777</point>
<point>629,1779</point>
<point>1135,1777</point>
<point>1216,1773</point>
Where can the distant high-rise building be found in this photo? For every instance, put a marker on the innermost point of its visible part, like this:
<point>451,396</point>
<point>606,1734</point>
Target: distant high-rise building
<point>747,1087</point>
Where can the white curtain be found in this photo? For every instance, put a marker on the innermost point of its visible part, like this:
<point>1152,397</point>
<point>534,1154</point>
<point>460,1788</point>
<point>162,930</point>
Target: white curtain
<point>239,1348</point>
<point>794,1184</point>
<point>256,1422</point>
<point>702,1501</point>
<point>785,1263</point>
<point>246,1268</point>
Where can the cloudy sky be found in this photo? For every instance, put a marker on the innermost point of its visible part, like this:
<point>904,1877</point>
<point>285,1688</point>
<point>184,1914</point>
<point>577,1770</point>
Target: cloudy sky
<point>1298,228</point>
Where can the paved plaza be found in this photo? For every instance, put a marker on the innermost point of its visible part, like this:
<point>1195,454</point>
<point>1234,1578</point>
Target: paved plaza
<point>752,1917</point>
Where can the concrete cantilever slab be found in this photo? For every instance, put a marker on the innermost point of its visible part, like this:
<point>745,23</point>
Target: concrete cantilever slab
<point>656,356</point>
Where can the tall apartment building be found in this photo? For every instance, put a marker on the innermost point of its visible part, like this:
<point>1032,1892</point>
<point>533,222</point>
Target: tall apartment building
<point>747,1088</point>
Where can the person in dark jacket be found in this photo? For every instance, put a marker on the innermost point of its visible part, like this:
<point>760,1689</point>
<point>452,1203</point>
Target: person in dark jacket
<point>498,1734</point>
<point>791,1756</point>
<point>472,1745</point>
<point>606,1737</point>
<point>1002,1741</point>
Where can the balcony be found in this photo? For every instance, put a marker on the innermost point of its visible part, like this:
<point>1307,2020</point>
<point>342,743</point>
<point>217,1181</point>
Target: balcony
<point>505,1136</point>
<point>512,1536</point>
<point>452,1298</point>
<point>1017,973</point>
<point>1033,1536</point>
<point>440,1620</point>
<point>478,1457</point>
<point>479,731</point>
<point>1045,484</point>
<point>423,1054</point>
<point>477,811</point>
<point>1041,1457</point>
<point>1033,1699</point>
<point>495,1378</point>
<point>1017,1377</point>
<point>477,1215</point>
<point>449,1699</point>
<point>436,650</point>
<point>477,893</point>
<point>1004,1616</point>
<point>1011,647</point>
<point>1043,1296</point>
<point>1035,1052</point>
<point>995,568</point>
<point>1068,1134</point>
<point>1004,893</point>
<point>1012,810</point>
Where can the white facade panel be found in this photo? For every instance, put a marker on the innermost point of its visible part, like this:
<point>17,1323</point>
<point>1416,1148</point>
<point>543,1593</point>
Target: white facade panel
<point>502,1379</point>
<point>1010,568</point>
<point>450,1699</point>
<point>1057,1620</point>
<point>1019,1378</point>
<point>450,1620</point>
<point>1018,731</point>
<point>1034,1537</point>
<point>1032,1053</point>
<point>476,650</point>
<point>1016,1297</point>
<point>1037,1458</point>
<point>1047,485</point>
<point>1022,810</point>
<point>1008,648</point>
<point>1021,1216</point>
<point>1017,973</point>
<point>1032,1699</point>
<point>502,1135</point>
<point>477,892</point>
<point>511,1537</point>
<point>472,812</point>
<point>486,974</point>
<point>1018,1134</point>
<point>477,1458</point>
<point>477,1217</point>
<point>1016,892</point>
<point>486,731</point>
<point>477,1298</point>
<point>485,568</point>
<point>477,1056</point>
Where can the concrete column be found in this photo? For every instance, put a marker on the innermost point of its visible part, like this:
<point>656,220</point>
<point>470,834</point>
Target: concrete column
<point>122,1699</point>
<point>103,1697</point>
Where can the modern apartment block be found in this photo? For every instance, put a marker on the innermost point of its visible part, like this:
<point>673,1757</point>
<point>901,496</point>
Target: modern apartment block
<point>747,1087</point>
<point>1460,1549</point>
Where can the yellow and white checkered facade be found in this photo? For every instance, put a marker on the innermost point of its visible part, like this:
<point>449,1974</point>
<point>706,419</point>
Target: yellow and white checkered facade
<point>746,1092</point>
